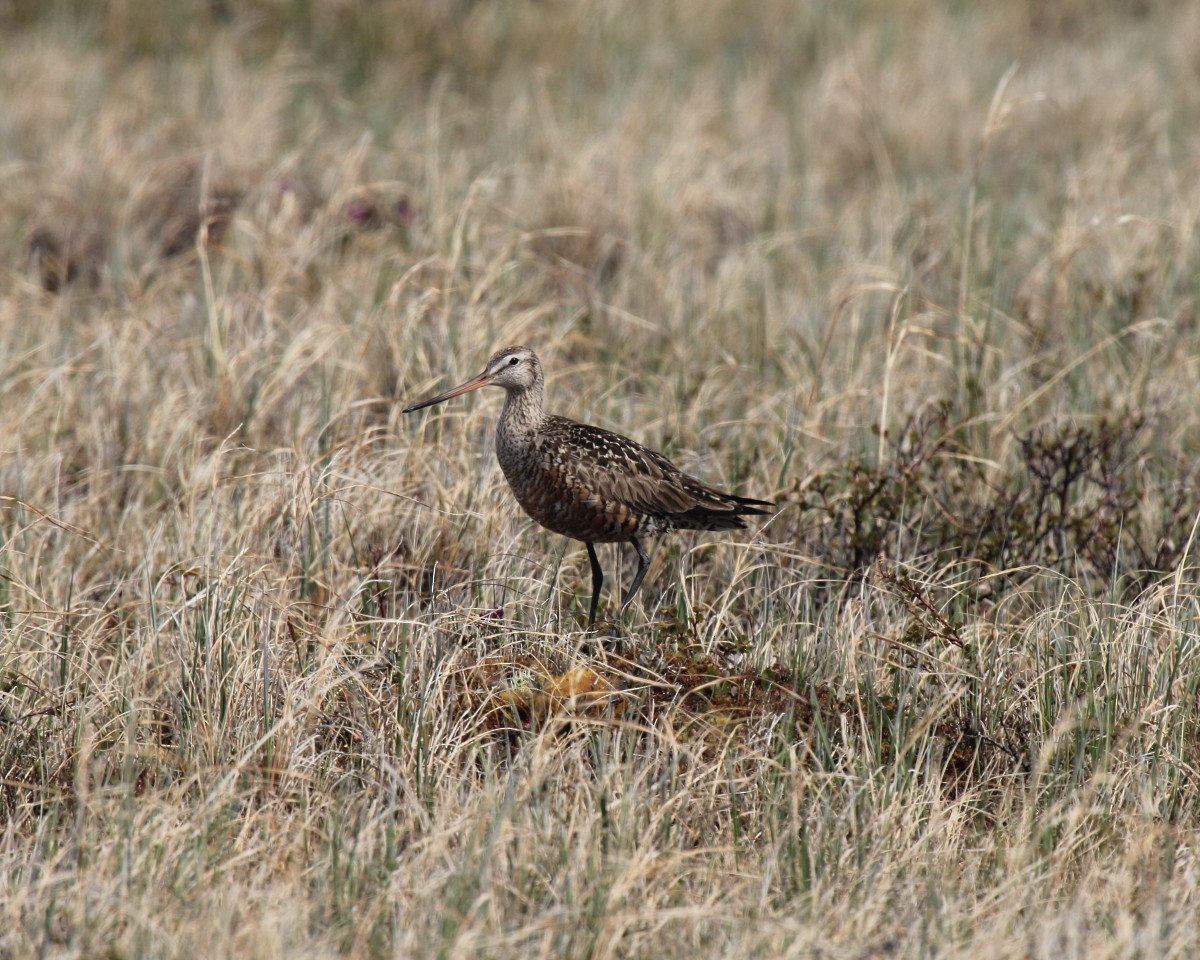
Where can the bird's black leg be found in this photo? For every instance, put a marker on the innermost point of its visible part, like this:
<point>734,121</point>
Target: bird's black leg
<point>597,580</point>
<point>643,566</point>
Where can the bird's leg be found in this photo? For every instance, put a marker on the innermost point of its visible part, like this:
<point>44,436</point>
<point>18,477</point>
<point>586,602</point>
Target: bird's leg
<point>597,580</point>
<point>643,566</point>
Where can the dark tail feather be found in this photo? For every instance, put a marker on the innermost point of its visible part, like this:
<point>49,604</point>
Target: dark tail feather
<point>704,518</point>
<point>746,505</point>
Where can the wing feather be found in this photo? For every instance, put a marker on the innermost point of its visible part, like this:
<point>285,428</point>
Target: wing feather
<point>614,467</point>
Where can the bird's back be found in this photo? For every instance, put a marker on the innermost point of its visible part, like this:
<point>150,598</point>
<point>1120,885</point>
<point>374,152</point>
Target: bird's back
<point>598,486</point>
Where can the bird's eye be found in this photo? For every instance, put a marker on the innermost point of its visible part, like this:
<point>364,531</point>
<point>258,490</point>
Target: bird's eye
<point>513,361</point>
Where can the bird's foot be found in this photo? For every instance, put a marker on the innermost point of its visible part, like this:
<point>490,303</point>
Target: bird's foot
<point>605,638</point>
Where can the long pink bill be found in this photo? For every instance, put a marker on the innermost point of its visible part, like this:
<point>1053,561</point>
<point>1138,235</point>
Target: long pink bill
<point>473,384</point>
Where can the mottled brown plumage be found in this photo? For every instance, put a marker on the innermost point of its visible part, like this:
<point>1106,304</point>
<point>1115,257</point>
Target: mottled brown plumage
<point>591,484</point>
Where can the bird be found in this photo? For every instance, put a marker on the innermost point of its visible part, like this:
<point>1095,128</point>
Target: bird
<point>588,483</point>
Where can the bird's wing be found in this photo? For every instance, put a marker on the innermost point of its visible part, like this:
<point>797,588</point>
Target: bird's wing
<point>614,467</point>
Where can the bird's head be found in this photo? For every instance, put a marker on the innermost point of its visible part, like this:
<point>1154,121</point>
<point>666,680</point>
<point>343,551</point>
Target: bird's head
<point>514,368</point>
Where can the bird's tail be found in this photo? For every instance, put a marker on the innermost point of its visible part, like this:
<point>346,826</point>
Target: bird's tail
<point>728,516</point>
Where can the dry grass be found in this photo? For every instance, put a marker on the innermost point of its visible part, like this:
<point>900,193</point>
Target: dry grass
<point>284,674</point>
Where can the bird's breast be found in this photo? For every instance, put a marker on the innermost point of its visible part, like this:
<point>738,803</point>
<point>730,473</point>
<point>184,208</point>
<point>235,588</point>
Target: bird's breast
<point>551,493</point>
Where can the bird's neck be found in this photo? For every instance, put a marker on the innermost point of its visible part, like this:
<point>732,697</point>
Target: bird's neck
<point>522,411</point>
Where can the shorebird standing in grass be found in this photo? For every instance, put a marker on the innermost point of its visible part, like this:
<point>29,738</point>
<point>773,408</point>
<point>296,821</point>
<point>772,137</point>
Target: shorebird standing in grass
<point>591,484</point>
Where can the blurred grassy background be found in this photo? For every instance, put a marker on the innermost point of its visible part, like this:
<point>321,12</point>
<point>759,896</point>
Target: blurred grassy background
<point>283,673</point>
